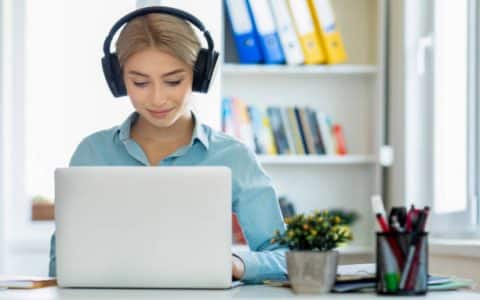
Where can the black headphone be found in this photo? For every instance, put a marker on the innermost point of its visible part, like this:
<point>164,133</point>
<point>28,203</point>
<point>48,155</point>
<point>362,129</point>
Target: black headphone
<point>203,69</point>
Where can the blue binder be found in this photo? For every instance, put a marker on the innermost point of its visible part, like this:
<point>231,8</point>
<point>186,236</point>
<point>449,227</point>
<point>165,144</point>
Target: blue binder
<point>248,49</point>
<point>266,32</point>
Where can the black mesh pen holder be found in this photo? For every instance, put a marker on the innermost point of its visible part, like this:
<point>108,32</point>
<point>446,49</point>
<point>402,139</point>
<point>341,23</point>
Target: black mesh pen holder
<point>402,263</point>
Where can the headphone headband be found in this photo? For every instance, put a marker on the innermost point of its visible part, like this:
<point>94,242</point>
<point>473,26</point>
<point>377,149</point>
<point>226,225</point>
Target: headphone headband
<point>157,9</point>
<point>205,63</point>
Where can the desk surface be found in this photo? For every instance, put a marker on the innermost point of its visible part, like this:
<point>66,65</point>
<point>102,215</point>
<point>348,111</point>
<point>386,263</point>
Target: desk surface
<point>244,292</point>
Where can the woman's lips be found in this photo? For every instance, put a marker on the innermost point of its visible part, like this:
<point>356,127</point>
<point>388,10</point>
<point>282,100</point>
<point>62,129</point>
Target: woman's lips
<point>160,113</point>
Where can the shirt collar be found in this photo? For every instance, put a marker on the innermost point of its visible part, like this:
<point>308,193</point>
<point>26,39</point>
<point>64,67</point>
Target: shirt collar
<point>199,132</point>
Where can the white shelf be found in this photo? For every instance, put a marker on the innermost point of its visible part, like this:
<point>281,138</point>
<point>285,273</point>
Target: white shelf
<point>351,93</point>
<point>239,69</point>
<point>316,159</point>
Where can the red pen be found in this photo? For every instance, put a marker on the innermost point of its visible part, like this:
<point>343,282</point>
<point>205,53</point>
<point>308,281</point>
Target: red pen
<point>412,216</point>
<point>412,275</point>
<point>383,224</point>
<point>391,241</point>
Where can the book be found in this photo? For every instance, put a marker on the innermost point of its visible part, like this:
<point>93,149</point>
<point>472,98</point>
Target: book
<point>307,131</point>
<point>300,129</point>
<point>326,131</point>
<point>26,282</point>
<point>228,125</point>
<point>317,136</point>
<point>339,139</point>
<point>243,125</point>
<point>275,117</point>
<point>257,128</point>
<point>362,277</point>
<point>287,207</point>
<point>288,131</point>
<point>293,125</point>
<point>268,134</point>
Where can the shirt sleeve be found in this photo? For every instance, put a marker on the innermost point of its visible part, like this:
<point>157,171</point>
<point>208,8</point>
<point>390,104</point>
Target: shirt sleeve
<point>255,202</point>
<point>82,156</point>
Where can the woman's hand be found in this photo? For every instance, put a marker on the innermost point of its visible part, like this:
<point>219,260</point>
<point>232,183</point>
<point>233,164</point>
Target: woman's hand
<point>238,268</point>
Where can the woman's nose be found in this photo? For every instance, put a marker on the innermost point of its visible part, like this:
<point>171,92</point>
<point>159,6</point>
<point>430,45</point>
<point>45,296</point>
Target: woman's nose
<point>159,96</point>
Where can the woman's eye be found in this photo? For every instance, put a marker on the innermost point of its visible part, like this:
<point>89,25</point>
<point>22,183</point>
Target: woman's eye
<point>173,83</point>
<point>140,84</point>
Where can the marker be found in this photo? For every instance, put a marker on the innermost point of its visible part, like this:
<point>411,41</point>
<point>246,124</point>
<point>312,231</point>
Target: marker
<point>377,205</point>
<point>391,276</point>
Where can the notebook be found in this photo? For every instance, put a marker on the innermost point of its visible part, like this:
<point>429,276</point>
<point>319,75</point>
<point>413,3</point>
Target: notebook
<point>26,282</point>
<point>361,277</point>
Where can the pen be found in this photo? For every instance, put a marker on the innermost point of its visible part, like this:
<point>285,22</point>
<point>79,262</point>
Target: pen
<point>383,224</point>
<point>408,221</point>
<point>413,251</point>
<point>422,221</point>
<point>393,242</point>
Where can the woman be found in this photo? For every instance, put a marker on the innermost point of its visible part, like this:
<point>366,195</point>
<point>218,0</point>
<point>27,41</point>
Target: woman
<point>157,53</point>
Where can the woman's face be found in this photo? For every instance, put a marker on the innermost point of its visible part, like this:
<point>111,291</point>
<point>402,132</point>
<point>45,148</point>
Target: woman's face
<point>159,86</point>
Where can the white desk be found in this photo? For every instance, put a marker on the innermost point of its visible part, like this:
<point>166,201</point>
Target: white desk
<point>244,292</point>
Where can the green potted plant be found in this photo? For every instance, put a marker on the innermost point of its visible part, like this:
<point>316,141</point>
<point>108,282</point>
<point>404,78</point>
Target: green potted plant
<point>312,259</point>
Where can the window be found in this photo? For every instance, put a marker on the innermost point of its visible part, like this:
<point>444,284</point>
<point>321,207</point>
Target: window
<point>439,163</point>
<point>66,95</point>
<point>450,105</point>
<point>56,96</point>
<point>453,76</point>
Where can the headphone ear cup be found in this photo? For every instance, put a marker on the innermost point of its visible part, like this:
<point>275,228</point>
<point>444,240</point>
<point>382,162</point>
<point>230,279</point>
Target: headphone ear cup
<point>113,75</point>
<point>212,71</point>
<point>199,71</point>
<point>202,71</point>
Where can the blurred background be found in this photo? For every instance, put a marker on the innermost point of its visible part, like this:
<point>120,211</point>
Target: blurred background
<point>401,111</point>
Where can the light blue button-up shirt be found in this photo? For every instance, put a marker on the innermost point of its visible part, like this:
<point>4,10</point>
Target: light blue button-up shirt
<point>254,197</point>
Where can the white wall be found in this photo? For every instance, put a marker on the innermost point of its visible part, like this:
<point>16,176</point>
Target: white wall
<point>211,17</point>
<point>2,197</point>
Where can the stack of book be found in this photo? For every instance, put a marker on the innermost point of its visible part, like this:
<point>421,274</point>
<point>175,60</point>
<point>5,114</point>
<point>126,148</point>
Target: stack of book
<point>26,282</point>
<point>362,278</point>
<point>282,130</point>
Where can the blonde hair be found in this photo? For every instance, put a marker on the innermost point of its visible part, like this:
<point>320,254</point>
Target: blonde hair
<point>160,31</point>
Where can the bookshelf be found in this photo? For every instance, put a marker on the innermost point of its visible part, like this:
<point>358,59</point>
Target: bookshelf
<point>351,93</point>
<point>237,69</point>
<point>315,159</point>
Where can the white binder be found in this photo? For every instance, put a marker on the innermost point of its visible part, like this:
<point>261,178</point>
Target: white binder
<point>286,31</point>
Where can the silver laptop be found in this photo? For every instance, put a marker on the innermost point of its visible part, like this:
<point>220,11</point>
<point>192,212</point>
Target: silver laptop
<point>143,227</point>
